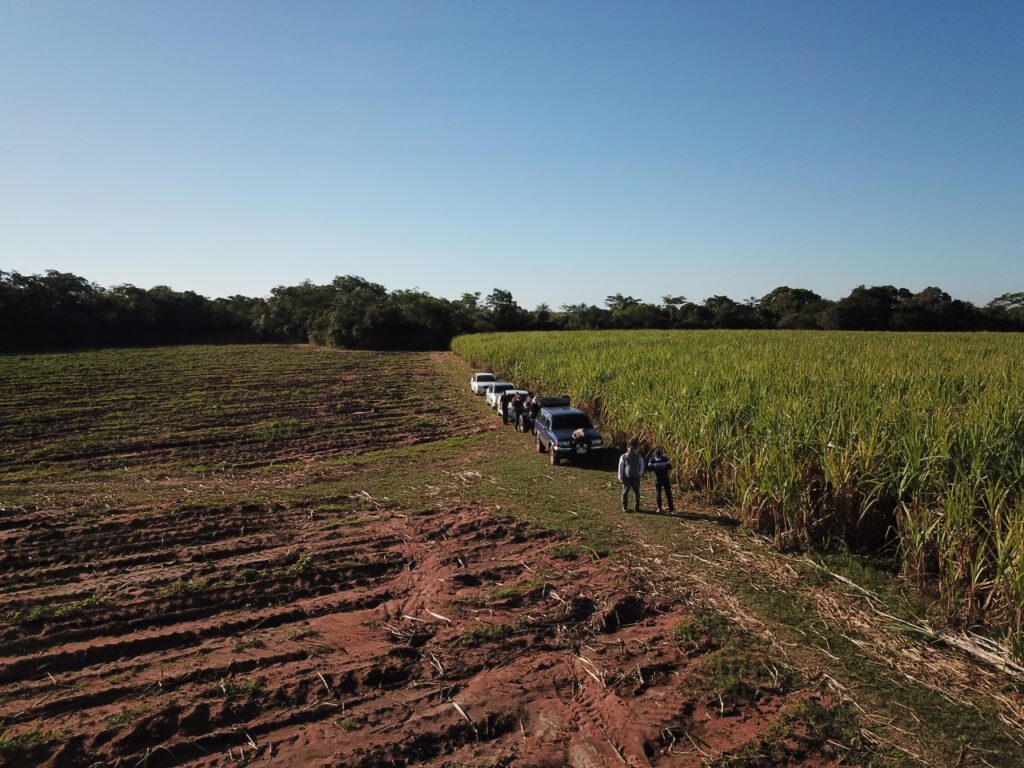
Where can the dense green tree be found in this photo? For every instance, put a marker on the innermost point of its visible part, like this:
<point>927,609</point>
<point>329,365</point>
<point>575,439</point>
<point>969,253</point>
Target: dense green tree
<point>585,317</point>
<point>1007,311</point>
<point>723,312</point>
<point>865,309</point>
<point>503,312</point>
<point>793,308</point>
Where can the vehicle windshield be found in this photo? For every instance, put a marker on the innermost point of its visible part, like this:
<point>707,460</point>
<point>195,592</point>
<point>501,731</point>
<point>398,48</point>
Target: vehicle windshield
<point>501,387</point>
<point>570,421</point>
<point>484,377</point>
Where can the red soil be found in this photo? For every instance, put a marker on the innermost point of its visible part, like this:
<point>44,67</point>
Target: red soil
<point>282,635</point>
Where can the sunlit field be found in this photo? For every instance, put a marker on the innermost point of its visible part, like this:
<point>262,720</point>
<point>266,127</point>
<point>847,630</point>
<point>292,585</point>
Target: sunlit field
<point>909,444</point>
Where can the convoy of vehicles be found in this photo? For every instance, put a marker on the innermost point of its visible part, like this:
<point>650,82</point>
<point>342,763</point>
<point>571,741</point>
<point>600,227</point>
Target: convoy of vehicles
<point>561,431</point>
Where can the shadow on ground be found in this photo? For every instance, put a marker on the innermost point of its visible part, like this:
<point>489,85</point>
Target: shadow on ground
<point>729,522</point>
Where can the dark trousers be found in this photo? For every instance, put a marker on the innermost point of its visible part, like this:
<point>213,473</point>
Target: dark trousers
<point>630,484</point>
<point>664,485</point>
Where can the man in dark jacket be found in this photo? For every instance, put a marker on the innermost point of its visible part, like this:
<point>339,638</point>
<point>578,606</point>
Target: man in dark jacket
<point>631,469</point>
<point>661,466</point>
<point>519,410</point>
<point>503,402</point>
<point>534,412</point>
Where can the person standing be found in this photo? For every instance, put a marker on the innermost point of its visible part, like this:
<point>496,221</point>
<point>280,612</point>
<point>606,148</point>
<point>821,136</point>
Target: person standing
<point>503,401</point>
<point>631,469</point>
<point>661,466</point>
<point>534,413</point>
<point>519,410</point>
<point>528,413</point>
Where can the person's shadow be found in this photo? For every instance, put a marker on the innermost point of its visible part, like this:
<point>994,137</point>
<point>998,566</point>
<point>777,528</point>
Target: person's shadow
<point>729,522</point>
<point>599,461</point>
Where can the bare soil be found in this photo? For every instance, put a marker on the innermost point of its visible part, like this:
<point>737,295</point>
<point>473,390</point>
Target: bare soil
<point>447,637</point>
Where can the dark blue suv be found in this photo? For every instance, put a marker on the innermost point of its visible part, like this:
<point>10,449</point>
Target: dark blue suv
<point>565,433</point>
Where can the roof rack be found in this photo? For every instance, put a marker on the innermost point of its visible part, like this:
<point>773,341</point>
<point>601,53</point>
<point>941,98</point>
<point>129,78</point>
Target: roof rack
<point>553,402</point>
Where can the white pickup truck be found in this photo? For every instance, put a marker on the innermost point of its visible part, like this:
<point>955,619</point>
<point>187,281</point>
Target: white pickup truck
<point>480,381</point>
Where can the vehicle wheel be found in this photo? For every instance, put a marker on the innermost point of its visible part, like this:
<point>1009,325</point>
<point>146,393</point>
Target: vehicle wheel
<point>554,458</point>
<point>540,446</point>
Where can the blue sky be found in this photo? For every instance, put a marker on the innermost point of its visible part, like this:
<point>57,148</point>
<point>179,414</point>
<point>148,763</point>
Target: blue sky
<point>564,151</point>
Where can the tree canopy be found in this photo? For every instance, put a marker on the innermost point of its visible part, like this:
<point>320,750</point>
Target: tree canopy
<point>62,310</point>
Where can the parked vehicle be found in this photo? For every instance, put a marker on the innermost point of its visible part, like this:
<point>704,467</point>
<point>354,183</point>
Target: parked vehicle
<point>565,432</point>
<point>495,389</point>
<point>480,380</point>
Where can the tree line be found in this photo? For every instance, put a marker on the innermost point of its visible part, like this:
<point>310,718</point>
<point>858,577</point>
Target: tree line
<point>61,310</point>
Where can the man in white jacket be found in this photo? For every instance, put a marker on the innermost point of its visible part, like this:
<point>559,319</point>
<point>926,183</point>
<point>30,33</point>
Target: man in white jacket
<point>631,469</point>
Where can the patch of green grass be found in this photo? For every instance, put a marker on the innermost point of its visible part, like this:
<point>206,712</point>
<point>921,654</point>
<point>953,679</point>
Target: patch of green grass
<point>334,509</point>
<point>243,643</point>
<point>15,745</point>
<point>574,551</point>
<point>505,592</point>
<point>875,574</point>
<point>302,634</point>
<point>353,722</point>
<point>737,675</point>
<point>459,604</point>
<point>485,633</point>
<point>44,612</point>
<point>235,687</point>
<point>810,728</point>
<point>304,566</point>
<point>872,684</point>
<point>278,429</point>
<point>248,575</point>
<point>705,630</point>
<point>518,589</point>
<point>127,715</point>
<point>182,587</point>
<point>417,451</point>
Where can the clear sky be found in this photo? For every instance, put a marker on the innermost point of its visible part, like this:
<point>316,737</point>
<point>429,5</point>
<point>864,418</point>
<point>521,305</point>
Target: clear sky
<point>564,151</point>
